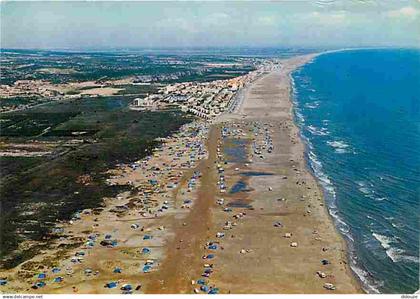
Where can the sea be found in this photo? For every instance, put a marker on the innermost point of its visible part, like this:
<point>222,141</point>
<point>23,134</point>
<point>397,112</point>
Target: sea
<point>359,114</point>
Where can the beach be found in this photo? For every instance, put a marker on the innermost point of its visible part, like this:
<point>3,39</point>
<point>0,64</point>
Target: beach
<point>349,132</point>
<point>227,206</point>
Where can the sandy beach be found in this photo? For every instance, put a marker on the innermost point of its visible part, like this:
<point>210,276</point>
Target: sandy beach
<point>226,206</point>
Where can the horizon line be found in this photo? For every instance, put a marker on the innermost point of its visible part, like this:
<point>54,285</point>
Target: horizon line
<point>198,48</point>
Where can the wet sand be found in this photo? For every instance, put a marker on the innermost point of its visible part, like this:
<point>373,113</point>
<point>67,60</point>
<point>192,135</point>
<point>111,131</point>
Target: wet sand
<point>269,237</point>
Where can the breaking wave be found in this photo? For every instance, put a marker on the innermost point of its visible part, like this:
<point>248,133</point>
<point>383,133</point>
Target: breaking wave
<point>317,131</point>
<point>368,190</point>
<point>340,147</point>
<point>337,144</point>
<point>313,105</point>
<point>394,253</point>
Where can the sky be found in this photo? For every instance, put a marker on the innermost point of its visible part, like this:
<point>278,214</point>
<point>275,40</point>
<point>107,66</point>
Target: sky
<point>289,23</point>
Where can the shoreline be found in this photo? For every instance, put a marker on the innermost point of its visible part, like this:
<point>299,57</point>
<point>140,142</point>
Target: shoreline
<point>182,213</point>
<point>345,243</point>
<point>354,279</point>
<point>377,236</point>
<point>344,239</point>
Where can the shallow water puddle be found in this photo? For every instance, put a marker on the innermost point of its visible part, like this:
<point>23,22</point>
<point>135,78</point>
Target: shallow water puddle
<point>239,186</point>
<point>236,150</point>
<point>255,173</point>
<point>239,204</point>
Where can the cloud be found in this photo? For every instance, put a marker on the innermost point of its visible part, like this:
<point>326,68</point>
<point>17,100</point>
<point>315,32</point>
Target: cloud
<point>267,20</point>
<point>215,19</point>
<point>332,18</point>
<point>227,23</point>
<point>404,12</point>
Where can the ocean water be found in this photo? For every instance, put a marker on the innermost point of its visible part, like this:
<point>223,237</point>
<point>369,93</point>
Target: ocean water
<point>359,113</point>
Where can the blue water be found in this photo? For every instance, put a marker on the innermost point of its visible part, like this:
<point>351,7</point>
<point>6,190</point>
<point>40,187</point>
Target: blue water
<point>359,113</point>
<point>239,186</point>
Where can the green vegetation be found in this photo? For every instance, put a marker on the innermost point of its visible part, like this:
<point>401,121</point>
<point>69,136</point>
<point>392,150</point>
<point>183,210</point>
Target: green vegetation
<point>16,101</point>
<point>72,92</point>
<point>46,189</point>
<point>138,89</point>
<point>91,66</point>
<point>31,124</point>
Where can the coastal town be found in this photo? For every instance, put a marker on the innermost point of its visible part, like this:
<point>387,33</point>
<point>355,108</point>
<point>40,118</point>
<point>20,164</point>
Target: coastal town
<point>49,78</point>
<point>203,99</point>
<point>206,100</point>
